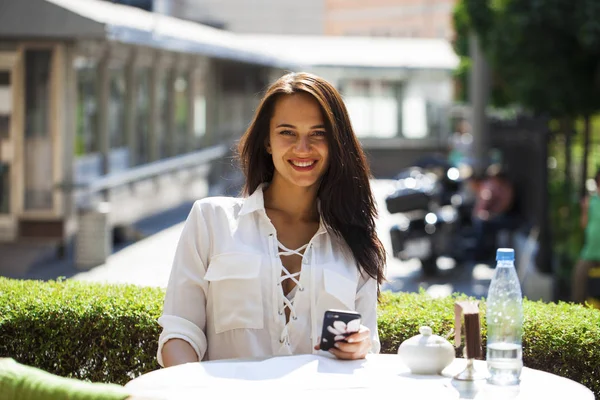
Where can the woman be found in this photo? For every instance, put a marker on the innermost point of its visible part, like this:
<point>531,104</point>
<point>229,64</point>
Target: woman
<point>253,276</point>
<point>590,254</point>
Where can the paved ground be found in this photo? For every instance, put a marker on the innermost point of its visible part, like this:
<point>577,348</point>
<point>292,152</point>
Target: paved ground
<point>148,261</point>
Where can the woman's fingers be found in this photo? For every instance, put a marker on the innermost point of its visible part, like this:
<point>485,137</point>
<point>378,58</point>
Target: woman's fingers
<point>348,351</point>
<point>356,345</point>
<point>359,336</point>
<point>349,347</point>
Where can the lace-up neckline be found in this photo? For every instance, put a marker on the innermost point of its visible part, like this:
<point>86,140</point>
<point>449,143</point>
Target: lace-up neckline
<point>288,300</point>
<point>284,251</point>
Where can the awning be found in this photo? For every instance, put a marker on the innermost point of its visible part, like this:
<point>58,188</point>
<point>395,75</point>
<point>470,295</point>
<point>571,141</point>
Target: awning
<point>361,52</point>
<point>96,19</point>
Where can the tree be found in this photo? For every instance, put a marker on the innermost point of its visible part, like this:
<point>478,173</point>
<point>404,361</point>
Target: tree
<point>545,54</point>
<point>545,57</point>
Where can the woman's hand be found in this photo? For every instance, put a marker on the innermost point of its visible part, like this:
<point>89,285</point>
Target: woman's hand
<point>355,347</point>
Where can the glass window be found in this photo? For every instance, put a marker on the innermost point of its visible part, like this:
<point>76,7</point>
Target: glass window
<point>163,112</point>
<point>116,108</point>
<point>142,115</point>
<point>199,110</point>
<point>181,113</point>
<point>119,153</point>
<point>373,107</point>
<point>143,4</point>
<point>5,114</point>
<point>414,124</point>
<point>5,104</point>
<point>384,109</point>
<point>38,141</point>
<point>37,92</point>
<point>86,140</point>
<point>356,98</point>
<point>199,116</point>
<point>4,188</point>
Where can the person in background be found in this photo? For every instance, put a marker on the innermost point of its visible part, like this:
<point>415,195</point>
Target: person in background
<point>590,254</point>
<point>22,382</point>
<point>253,276</point>
<point>494,210</point>
<point>460,145</point>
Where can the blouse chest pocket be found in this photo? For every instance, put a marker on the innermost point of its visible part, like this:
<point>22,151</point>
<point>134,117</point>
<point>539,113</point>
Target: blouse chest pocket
<point>340,291</point>
<point>235,291</point>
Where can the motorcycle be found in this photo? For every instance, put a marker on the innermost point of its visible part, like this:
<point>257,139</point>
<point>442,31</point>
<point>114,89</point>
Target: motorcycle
<point>436,216</point>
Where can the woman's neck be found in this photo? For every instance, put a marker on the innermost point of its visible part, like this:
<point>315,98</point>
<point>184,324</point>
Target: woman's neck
<point>297,203</point>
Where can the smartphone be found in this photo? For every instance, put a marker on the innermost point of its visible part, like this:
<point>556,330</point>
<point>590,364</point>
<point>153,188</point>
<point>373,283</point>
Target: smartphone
<point>337,325</point>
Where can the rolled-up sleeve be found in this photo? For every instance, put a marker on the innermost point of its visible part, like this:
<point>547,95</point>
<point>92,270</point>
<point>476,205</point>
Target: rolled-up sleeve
<point>366,305</point>
<point>184,312</point>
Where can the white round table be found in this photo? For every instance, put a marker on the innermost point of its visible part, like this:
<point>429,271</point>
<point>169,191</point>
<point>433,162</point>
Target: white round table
<point>318,377</point>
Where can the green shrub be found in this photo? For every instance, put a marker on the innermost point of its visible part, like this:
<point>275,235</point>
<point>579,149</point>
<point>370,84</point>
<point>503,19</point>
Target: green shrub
<point>102,333</point>
<point>109,333</point>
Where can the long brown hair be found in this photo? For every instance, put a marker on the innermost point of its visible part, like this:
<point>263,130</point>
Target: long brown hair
<point>347,204</point>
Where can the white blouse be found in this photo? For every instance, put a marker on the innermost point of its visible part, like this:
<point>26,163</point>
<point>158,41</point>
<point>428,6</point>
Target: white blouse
<point>225,296</point>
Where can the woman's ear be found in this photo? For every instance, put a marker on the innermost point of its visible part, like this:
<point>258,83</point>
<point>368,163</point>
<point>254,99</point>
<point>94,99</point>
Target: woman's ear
<point>268,146</point>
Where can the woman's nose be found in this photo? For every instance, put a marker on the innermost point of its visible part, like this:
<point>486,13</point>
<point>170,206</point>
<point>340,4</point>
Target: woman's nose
<point>302,145</point>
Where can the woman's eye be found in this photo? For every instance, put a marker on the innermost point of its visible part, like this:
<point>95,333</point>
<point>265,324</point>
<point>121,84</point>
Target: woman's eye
<point>319,133</point>
<point>286,133</point>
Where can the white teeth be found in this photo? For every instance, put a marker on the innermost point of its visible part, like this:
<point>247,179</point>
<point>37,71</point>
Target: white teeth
<point>303,163</point>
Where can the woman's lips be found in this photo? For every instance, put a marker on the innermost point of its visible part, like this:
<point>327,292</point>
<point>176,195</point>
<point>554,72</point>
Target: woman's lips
<point>303,165</point>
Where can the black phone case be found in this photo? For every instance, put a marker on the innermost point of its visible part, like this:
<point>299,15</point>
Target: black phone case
<point>335,327</point>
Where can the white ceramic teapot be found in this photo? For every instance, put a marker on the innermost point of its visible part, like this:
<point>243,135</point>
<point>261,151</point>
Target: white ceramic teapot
<point>426,354</point>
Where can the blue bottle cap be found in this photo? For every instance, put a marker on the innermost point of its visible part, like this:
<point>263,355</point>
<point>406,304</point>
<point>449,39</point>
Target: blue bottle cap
<point>505,255</point>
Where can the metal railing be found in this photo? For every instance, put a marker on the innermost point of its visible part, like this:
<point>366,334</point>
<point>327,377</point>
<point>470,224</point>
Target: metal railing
<point>156,168</point>
<point>145,172</point>
<point>93,242</point>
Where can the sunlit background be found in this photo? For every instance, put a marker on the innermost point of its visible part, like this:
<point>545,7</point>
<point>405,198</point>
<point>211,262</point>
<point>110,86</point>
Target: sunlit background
<point>115,115</point>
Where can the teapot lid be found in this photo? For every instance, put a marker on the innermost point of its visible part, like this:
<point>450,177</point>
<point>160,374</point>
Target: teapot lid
<point>426,338</point>
<point>426,331</point>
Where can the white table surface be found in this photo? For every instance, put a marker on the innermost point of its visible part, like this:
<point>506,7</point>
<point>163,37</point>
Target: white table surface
<point>318,377</point>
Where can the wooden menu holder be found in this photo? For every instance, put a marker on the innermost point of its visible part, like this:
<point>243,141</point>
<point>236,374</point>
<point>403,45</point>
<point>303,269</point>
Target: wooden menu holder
<point>469,310</point>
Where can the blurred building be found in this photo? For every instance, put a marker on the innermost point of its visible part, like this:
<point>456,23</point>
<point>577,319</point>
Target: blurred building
<point>398,91</point>
<point>104,101</point>
<point>247,16</point>
<point>147,5</point>
<point>398,88</point>
<point>95,97</point>
<point>397,18</point>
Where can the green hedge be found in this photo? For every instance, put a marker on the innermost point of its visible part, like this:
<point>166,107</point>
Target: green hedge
<point>108,333</point>
<point>101,333</point>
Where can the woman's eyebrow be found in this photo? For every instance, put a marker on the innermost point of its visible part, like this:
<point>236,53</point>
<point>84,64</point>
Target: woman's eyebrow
<point>320,126</point>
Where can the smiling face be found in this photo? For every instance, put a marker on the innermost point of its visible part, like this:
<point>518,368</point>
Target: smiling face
<point>298,140</point>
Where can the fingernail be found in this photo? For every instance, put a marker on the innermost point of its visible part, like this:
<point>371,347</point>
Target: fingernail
<point>350,340</point>
<point>337,345</point>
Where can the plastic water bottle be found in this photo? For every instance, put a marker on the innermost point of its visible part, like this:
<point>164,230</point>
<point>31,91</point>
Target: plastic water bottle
<point>504,322</point>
